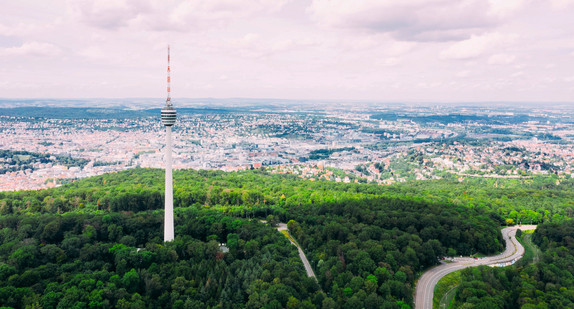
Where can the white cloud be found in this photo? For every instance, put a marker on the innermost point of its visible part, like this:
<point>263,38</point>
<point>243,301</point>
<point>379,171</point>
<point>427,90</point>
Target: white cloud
<point>550,66</point>
<point>223,9</point>
<point>473,47</point>
<point>248,40</point>
<point>108,14</point>
<point>93,52</point>
<point>412,20</point>
<point>398,48</point>
<point>282,45</point>
<point>31,49</point>
<point>380,42</point>
<point>334,49</point>
<point>562,4</point>
<point>501,59</point>
<point>254,45</point>
<point>22,29</point>
<point>167,15</point>
<point>216,12</point>
<point>505,7</point>
<point>388,62</point>
<point>517,74</point>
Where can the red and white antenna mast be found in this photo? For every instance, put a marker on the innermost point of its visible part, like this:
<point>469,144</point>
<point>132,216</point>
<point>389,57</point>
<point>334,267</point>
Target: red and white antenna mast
<point>168,101</point>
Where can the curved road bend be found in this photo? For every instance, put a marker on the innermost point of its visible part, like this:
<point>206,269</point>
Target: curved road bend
<point>425,286</point>
<point>308,269</point>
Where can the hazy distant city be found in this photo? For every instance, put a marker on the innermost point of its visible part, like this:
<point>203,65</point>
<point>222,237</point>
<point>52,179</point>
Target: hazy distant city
<point>45,145</point>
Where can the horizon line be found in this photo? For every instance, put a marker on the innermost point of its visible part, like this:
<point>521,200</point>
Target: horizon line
<point>291,100</point>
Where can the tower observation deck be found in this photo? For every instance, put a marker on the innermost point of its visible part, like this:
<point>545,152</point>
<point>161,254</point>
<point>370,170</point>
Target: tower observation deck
<point>168,115</point>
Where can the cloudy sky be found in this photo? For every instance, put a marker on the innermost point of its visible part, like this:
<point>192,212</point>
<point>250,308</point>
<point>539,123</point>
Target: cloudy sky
<point>383,50</point>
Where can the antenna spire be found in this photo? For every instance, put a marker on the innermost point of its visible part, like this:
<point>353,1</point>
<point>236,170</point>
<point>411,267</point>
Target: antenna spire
<point>168,101</point>
<point>168,113</point>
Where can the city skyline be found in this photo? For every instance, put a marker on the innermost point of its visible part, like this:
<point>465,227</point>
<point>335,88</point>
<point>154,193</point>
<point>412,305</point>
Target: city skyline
<point>511,142</point>
<point>415,51</point>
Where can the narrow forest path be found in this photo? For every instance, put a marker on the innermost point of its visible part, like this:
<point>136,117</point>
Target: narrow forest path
<point>424,289</point>
<point>282,228</point>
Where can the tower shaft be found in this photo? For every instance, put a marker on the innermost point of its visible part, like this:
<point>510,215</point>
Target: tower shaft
<point>168,228</point>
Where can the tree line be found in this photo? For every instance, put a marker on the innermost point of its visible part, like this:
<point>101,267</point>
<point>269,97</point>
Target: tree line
<point>250,193</point>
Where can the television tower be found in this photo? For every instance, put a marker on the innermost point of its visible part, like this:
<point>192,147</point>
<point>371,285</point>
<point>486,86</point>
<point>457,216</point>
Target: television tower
<point>168,116</point>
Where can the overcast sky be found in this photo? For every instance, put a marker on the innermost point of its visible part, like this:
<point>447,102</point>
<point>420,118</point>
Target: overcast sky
<point>384,50</point>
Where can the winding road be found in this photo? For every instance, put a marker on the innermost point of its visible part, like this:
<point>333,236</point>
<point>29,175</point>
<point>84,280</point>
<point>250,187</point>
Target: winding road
<point>425,286</point>
<point>308,269</point>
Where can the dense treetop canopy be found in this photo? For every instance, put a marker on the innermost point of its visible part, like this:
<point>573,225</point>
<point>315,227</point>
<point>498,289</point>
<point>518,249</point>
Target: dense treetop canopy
<point>97,243</point>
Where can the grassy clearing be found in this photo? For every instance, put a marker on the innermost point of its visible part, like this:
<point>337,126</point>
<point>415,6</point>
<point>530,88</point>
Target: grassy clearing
<point>448,299</point>
<point>445,290</point>
<point>531,251</point>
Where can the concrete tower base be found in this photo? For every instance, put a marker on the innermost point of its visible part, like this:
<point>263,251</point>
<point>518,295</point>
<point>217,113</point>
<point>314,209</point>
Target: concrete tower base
<point>168,229</point>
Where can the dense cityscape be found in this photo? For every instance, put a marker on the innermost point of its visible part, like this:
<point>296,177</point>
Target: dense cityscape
<point>371,143</point>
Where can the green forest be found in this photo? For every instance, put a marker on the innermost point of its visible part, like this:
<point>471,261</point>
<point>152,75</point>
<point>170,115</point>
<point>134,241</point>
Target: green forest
<point>98,242</point>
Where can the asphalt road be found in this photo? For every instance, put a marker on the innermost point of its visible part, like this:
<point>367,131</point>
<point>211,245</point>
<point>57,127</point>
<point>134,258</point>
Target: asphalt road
<point>308,269</point>
<point>425,286</point>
